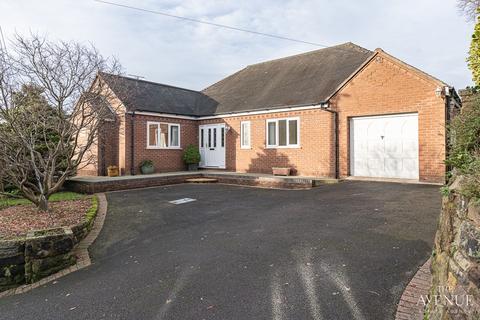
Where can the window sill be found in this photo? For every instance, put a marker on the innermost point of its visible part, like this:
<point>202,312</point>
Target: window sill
<point>246,148</point>
<point>164,148</point>
<point>283,147</point>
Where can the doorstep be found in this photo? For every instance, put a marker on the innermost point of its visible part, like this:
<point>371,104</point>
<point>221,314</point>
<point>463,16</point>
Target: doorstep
<point>393,180</point>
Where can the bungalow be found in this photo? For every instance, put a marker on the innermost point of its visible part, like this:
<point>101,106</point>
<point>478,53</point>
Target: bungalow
<point>334,112</point>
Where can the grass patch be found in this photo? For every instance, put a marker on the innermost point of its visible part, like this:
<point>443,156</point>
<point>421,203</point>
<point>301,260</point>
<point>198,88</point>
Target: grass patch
<point>92,212</point>
<point>59,196</point>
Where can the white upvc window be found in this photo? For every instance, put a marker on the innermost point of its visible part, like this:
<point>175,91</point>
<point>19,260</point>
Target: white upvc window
<point>283,133</point>
<point>162,135</point>
<point>245,135</point>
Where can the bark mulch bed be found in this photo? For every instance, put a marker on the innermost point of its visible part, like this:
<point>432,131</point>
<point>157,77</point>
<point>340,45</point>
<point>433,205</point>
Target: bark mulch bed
<point>20,219</point>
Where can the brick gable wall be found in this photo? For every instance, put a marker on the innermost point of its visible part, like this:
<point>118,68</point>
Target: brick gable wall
<point>386,87</point>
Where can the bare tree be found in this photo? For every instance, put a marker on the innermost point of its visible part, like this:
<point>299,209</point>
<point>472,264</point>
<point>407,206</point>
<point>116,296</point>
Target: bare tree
<point>50,113</point>
<point>469,8</point>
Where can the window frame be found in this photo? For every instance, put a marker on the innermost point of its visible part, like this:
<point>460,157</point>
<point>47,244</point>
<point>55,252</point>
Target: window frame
<point>169,126</point>
<point>277,138</point>
<point>242,132</point>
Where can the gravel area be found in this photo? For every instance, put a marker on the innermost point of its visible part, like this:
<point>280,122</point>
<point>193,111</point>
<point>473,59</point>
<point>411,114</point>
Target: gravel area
<point>18,220</point>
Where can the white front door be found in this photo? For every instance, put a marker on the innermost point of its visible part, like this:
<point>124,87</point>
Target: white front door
<point>384,146</point>
<point>212,146</point>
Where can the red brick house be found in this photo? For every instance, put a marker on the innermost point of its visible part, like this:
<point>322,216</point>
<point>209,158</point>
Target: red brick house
<point>339,111</point>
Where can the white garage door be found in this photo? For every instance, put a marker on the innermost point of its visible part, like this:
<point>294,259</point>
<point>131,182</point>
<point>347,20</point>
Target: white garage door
<point>384,146</point>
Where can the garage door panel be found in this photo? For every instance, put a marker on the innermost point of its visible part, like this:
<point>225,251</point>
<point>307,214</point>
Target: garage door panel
<point>411,168</point>
<point>393,148</point>
<point>375,149</point>
<point>392,166</point>
<point>385,146</point>
<point>410,149</point>
<point>375,165</point>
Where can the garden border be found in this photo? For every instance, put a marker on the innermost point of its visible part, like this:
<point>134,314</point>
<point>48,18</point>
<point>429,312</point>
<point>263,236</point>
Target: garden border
<point>80,251</point>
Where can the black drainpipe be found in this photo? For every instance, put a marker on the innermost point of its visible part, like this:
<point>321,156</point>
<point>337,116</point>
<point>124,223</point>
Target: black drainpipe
<point>132,149</point>
<point>447,140</point>
<point>337,148</point>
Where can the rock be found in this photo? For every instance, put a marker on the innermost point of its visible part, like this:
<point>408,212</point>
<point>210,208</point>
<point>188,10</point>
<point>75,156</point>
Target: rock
<point>473,212</point>
<point>474,275</point>
<point>456,185</point>
<point>54,242</point>
<point>36,269</point>
<point>470,240</point>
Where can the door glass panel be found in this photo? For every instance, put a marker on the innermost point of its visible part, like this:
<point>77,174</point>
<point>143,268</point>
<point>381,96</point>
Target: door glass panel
<point>201,138</point>
<point>292,132</point>
<point>282,132</point>
<point>214,137</point>
<point>271,134</point>
<point>223,137</point>
<point>209,138</point>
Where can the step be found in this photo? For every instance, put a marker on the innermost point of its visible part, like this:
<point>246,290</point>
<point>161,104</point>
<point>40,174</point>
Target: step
<point>201,180</point>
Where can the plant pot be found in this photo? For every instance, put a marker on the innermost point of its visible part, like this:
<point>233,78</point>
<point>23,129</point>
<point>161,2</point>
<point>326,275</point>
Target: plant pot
<point>147,169</point>
<point>277,171</point>
<point>112,171</point>
<point>192,166</point>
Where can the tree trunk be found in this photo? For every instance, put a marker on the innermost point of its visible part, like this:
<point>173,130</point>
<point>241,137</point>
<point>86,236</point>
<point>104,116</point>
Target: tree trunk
<point>43,203</point>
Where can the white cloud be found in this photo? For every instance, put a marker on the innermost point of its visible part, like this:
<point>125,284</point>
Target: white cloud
<point>423,33</point>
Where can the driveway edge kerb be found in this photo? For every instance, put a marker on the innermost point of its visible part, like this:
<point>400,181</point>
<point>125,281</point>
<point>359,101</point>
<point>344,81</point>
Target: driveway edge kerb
<point>409,307</point>
<point>81,252</point>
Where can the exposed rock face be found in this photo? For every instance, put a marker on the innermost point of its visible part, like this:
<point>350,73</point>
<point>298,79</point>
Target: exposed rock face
<point>456,260</point>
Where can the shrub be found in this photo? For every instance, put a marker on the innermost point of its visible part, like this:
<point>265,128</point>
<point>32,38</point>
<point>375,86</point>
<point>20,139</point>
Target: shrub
<point>464,152</point>
<point>146,163</point>
<point>191,155</point>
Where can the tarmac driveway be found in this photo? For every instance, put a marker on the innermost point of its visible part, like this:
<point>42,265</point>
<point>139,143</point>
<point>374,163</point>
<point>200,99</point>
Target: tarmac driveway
<point>343,251</point>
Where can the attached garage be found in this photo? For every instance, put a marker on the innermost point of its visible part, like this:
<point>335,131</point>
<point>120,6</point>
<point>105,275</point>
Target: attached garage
<point>384,146</point>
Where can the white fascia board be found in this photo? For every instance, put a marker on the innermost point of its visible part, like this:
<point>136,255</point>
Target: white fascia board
<point>230,115</point>
<point>163,115</point>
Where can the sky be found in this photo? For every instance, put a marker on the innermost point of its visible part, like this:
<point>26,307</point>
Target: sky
<point>428,34</point>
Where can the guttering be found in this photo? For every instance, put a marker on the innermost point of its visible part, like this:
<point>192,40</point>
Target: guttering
<point>163,115</point>
<point>132,148</point>
<point>235,114</point>
<point>446,91</point>
<point>297,107</point>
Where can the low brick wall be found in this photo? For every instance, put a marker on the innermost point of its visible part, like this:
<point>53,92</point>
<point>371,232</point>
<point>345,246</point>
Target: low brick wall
<point>91,187</point>
<point>132,182</point>
<point>455,292</point>
<point>264,182</point>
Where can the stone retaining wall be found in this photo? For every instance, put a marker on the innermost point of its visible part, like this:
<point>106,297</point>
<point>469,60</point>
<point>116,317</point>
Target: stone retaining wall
<point>12,263</point>
<point>455,267</point>
<point>41,253</point>
<point>47,252</point>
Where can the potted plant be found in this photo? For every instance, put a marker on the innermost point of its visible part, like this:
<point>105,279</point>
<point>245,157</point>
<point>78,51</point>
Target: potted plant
<point>112,171</point>
<point>281,171</point>
<point>191,157</point>
<point>147,167</point>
